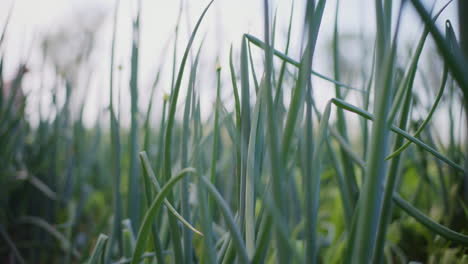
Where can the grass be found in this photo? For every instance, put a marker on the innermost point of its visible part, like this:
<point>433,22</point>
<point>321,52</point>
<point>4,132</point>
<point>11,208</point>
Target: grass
<point>268,181</point>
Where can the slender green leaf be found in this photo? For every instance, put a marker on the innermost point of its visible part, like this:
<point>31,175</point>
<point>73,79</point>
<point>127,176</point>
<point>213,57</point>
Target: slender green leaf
<point>429,223</point>
<point>144,231</point>
<point>235,233</point>
<point>97,257</point>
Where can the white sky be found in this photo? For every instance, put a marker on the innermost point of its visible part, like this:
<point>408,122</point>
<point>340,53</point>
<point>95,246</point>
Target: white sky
<point>223,25</point>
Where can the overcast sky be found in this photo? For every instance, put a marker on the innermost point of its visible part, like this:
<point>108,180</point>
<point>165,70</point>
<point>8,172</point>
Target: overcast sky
<point>225,22</point>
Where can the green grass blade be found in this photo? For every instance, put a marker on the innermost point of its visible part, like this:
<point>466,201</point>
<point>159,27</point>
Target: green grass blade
<point>350,177</point>
<point>297,102</point>
<point>345,195</point>
<point>277,169</point>
<point>279,94</point>
<point>429,223</point>
<point>251,174</point>
<point>393,172</point>
<point>229,256</point>
<point>235,91</point>
<point>151,212</point>
<point>216,127</point>
<point>134,201</point>
<point>235,233</point>
<point>312,169</point>
<point>150,174</point>
<point>214,150</point>
<point>263,240</point>
<point>245,129</point>
<point>369,116</point>
<point>313,180</point>
<point>370,199</point>
<point>392,180</point>
<point>168,140</point>
<point>408,78</point>
<point>147,125</point>
<point>257,42</point>
<point>147,170</point>
<point>428,117</point>
<point>252,66</point>
<point>186,233</point>
<point>115,148</point>
<point>97,257</point>
<point>208,254</point>
<point>238,133</point>
<point>431,111</point>
<point>355,157</point>
<point>175,95</point>
<point>366,103</point>
<point>128,238</point>
<point>127,245</point>
<point>174,52</point>
<point>454,60</point>
<point>161,143</point>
